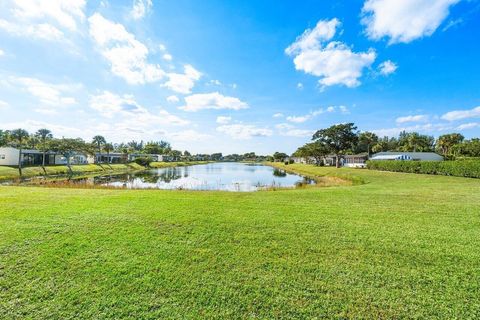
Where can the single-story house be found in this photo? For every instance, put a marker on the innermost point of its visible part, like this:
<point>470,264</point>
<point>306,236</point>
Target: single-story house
<point>9,157</point>
<point>114,157</point>
<point>355,160</point>
<point>154,157</point>
<point>407,156</point>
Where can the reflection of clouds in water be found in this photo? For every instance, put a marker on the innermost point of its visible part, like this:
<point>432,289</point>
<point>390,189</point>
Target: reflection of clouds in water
<point>216,176</point>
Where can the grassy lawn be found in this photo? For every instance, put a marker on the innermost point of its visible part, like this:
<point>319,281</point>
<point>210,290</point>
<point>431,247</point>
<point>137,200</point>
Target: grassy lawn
<point>396,246</point>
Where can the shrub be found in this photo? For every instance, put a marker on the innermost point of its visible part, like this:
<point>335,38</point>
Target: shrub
<point>144,161</point>
<point>460,168</point>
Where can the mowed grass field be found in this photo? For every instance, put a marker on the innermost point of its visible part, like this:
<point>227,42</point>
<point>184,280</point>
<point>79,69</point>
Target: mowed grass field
<point>397,246</point>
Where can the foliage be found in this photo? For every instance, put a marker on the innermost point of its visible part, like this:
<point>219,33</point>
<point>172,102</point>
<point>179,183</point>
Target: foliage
<point>338,138</point>
<point>280,156</point>
<point>144,161</point>
<point>462,168</point>
<point>315,150</point>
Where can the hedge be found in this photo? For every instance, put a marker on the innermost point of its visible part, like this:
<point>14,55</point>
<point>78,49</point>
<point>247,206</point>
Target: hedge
<point>460,168</point>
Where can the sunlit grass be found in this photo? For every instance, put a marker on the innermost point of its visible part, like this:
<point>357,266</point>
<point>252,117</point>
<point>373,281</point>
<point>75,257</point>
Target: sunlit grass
<point>396,246</point>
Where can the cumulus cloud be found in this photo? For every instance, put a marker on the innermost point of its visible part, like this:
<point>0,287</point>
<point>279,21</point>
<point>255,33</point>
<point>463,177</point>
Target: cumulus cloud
<point>313,114</point>
<point>215,100</point>
<point>223,119</point>
<point>462,114</point>
<point>426,128</point>
<point>141,8</point>
<point>183,82</point>
<point>2,52</point>
<point>333,62</point>
<point>55,95</point>
<point>415,118</point>
<point>244,131</point>
<point>188,136</point>
<point>278,115</point>
<point>404,21</point>
<point>127,56</point>
<point>111,105</point>
<point>45,20</point>
<point>173,99</point>
<point>387,67</point>
<point>467,126</point>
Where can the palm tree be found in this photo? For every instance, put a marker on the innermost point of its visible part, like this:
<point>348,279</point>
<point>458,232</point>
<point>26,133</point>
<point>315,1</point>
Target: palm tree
<point>108,147</point>
<point>44,135</point>
<point>99,141</point>
<point>368,138</point>
<point>19,137</point>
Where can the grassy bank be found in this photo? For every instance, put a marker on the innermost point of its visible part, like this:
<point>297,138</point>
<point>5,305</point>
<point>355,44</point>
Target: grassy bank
<point>176,164</point>
<point>8,173</point>
<point>397,246</point>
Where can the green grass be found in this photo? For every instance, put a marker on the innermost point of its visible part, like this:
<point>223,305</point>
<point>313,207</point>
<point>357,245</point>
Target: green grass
<point>7,173</point>
<point>397,246</point>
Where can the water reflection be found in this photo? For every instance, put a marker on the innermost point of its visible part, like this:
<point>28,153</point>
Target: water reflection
<point>235,177</point>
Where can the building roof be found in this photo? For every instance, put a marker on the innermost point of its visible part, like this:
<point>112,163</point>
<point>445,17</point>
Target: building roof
<point>393,155</point>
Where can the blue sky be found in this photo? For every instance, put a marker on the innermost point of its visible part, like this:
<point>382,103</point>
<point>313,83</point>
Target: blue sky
<point>239,76</point>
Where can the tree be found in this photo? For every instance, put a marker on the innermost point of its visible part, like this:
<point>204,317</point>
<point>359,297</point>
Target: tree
<point>98,141</point>
<point>19,137</point>
<point>415,142</point>
<point>338,139</point>
<point>108,147</point>
<point>68,147</point>
<point>369,139</point>
<point>4,137</point>
<point>216,156</point>
<point>280,156</point>
<point>468,148</point>
<point>316,150</point>
<point>44,136</point>
<point>446,143</point>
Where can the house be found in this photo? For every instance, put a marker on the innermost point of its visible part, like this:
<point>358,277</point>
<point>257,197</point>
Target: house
<point>114,157</point>
<point>406,156</point>
<point>9,157</point>
<point>154,157</point>
<point>355,160</point>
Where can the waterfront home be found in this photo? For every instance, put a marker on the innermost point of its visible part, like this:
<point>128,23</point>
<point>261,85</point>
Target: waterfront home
<point>9,156</point>
<point>114,157</point>
<point>407,156</point>
<point>154,157</point>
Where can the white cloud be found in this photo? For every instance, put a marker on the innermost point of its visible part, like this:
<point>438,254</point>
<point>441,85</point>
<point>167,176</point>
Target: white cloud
<point>244,131</point>
<point>405,20</point>
<point>2,52</point>
<point>183,82</point>
<point>4,105</point>
<point>43,19</point>
<point>141,8</point>
<point>343,110</point>
<point>426,128</point>
<point>415,118</point>
<point>387,67</point>
<point>127,55</point>
<point>111,105</point>
<point>223,119</point>
<point>334,62</point>
<point>167,57</point>
<point>46,111</point>
<point>173,99</point>
<point>467,126</point>
<point>300,86</point>
<point>313,114</point>
<point>299,133</point>
<point>462,114</point>
<point>213,100</point>
<point>47,93</point>
<point>284,126</point>
<point>278,115</point>
<point>214,82</point>
<point>188,136</point>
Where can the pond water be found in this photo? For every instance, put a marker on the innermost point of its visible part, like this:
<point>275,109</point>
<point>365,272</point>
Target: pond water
<point>215,176</point>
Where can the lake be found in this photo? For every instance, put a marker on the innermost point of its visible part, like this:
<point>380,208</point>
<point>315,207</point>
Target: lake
<point>229,176</point>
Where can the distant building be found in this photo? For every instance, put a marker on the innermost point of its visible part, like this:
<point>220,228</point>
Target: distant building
<point>406,156</point>
<point>154,157</point>
<point>10,156</point>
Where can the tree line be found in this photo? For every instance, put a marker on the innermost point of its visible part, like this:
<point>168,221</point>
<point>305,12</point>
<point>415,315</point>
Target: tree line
<point>342,139</point>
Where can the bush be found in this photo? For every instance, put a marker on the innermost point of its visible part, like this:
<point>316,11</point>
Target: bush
<point>144,161</point>
<point>460,168</point>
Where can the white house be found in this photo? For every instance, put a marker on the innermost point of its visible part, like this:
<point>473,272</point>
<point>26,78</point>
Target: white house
<point>406,156</point>
<point>9,157</point>
<point>154,157</point>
